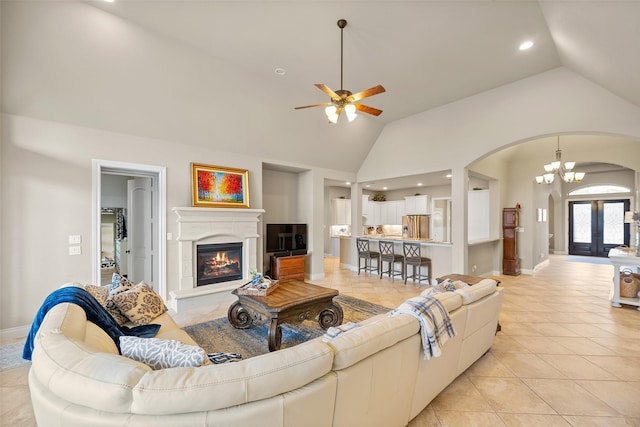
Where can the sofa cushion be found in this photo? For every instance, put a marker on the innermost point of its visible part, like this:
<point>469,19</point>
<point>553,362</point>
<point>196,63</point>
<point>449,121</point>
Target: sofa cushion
<point>140,304</point>
<point>170,391</point>
<point>359,343</point>
<point>450,300</point>
<point>161,354</point>
<point>479,290</point>
<point>75,369</point>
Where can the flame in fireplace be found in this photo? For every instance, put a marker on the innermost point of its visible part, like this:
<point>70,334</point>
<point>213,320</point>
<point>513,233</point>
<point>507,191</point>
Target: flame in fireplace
<point>218,265</point>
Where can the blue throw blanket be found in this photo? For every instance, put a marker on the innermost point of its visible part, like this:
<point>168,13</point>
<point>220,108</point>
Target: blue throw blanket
<point>95,313</point>
<point>435,324</point>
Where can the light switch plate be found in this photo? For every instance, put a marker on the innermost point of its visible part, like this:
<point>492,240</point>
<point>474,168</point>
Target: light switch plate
<point>75,250</point>
<point>75,239</point>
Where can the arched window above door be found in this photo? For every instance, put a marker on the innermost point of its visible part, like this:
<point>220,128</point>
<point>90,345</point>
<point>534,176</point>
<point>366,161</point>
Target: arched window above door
<point>599,189</point>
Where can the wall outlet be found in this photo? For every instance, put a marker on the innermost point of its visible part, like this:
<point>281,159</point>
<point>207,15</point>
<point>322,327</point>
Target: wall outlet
<point>169,236</point>
<point>75,250</point>
<point>474,268</point>
<point>75,239</point>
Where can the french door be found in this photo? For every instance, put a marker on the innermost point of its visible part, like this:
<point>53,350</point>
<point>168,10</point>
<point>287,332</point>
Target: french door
<point>595,226</point>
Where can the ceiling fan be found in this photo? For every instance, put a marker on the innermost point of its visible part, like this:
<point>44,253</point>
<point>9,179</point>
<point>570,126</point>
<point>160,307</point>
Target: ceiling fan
<point>343,99</point>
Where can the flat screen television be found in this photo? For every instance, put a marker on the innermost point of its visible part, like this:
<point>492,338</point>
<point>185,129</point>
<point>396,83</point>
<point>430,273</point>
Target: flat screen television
<point>286,238</point>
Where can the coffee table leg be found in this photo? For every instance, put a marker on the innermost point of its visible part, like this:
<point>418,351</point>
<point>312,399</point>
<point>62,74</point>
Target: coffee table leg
<point>275,335</point>
<point>330,316</point>
<point>239,316</point>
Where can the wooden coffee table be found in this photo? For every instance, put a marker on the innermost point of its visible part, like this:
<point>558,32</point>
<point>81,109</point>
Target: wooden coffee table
<point>292,302</point>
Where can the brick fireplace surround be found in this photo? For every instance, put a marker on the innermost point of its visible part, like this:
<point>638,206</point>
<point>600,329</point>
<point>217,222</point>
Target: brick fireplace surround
<point>201,226</point>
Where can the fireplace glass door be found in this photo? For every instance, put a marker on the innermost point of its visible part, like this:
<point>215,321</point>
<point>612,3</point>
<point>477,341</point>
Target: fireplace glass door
<point>220,262</point>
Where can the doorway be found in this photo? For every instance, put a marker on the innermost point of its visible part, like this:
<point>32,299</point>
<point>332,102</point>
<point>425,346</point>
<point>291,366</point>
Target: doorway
<point>145,221</point>
<point>596,226</point>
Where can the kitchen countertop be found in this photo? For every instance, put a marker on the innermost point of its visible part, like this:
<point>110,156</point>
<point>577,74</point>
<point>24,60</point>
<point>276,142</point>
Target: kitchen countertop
<point>404,239</point>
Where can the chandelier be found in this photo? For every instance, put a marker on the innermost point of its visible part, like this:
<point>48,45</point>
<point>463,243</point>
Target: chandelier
<point>563,170</point>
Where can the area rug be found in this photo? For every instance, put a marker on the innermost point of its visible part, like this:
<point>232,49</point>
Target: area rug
<point>220,336</point>
<point>11,356</point>
<point>588,259</point>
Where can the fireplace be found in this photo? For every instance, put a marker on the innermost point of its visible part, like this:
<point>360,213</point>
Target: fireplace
<point>208,226</point>
<point>218,262</point>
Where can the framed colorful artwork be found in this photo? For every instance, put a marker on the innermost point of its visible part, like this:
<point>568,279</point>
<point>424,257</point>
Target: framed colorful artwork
<point>219,187</point>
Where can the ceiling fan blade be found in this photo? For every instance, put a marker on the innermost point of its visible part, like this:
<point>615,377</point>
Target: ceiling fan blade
<point>368,110</point>
<point>365,93</point>
<point>328,91</point>
<point>326,104</point>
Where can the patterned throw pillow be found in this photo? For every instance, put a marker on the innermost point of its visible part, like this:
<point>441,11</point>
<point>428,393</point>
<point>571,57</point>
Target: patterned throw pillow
<point>100,293</point>
<point>140,304</point>
<point>119,284</point>
<point>161,354</point>
<point>220,358</point>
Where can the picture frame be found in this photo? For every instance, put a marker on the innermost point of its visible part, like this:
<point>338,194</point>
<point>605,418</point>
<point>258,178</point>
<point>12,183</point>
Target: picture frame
<point>219,186</point>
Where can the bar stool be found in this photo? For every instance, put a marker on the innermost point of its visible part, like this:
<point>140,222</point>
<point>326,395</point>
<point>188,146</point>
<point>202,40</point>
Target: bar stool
<point>387,254</point>
<point>368,255</point>
<point>412,258</point>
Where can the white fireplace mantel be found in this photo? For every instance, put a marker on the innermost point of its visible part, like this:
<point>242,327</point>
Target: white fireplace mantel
<point>212,225</point>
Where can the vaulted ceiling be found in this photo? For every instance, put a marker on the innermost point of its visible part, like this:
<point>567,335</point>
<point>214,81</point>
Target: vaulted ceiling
<point>203,72</point>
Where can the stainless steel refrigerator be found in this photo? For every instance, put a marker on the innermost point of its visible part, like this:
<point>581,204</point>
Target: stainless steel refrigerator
<point>415,226</point>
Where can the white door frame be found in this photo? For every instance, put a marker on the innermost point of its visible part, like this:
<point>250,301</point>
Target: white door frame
<point>158,175</point>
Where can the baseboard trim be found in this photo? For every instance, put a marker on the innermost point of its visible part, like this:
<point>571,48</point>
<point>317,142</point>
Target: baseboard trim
<point>541,264</point>
<point>14,333</point>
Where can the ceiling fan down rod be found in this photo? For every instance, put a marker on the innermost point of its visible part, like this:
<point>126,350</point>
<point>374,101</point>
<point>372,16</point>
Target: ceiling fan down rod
<point>341,24</point>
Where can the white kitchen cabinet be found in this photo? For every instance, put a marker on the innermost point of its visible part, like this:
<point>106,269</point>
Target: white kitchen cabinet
<point>479,214</point>
<point>335,246</point>
<point>341,211</point>
<point>417,205</point>
<point>367,211</point>
<point>392,212</point>
<point>376,213</point>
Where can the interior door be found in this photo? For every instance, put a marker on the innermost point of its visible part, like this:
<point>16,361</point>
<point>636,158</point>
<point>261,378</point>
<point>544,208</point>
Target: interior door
<point>596,226</point>
<point>140,230</point>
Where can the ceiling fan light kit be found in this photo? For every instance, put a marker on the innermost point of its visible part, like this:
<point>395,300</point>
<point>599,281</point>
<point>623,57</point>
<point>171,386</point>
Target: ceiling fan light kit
<point>343,99</point>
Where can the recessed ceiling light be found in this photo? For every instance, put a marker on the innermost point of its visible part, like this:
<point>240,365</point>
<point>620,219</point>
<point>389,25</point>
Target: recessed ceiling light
<point>419,184</point>
<point>348,183</point>
<point>368,185</point>
<point>384,188</point>
<point>448,176</point>
<point>526,45</point>
<point>280,71</point>
<point>109,1</point>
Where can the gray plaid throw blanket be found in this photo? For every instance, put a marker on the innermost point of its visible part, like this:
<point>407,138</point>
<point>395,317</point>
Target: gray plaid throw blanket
<point>435,324</point>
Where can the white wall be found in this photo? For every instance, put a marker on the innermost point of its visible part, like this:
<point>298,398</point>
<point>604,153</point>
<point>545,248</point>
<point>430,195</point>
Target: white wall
<point>557,101</point>
<point>280,195</point>
<point>46,176</point>
<point>86,66</point>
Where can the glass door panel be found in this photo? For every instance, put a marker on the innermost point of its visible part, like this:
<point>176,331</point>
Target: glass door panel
<point>613,223</point>
<point>582,223</point>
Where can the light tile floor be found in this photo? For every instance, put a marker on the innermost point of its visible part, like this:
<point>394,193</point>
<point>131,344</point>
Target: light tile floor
<point>564,357</point>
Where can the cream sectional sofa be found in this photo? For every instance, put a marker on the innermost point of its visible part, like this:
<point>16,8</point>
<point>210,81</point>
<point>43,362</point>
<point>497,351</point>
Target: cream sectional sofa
<point>372,375</point>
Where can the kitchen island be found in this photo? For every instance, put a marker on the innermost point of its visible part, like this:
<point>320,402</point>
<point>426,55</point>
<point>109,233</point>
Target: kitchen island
<point>439,252</point>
